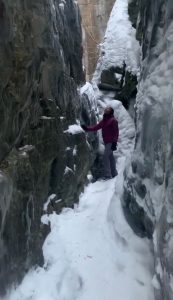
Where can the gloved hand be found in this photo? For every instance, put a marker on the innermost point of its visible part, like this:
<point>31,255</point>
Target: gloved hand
<point>114,146</point>
<point>84,127</point>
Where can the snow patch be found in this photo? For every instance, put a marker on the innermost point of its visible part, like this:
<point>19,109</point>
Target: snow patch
<point>46,118</point>
<point>120,45</point>
<point>27,148</point>
<point>88,90</point>
<point>68,170</point>
<point>74,129</point>
<point>75,151</point>
<point>50,198</point>
<point>156,283</point>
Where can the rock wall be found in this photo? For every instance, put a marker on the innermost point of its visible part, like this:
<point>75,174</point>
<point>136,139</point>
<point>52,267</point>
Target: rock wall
<point>95,15</point>
<point>40,69</point>
<point>147,200</point>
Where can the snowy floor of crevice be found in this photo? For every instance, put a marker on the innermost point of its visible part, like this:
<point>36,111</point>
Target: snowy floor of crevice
<point>91,253</point>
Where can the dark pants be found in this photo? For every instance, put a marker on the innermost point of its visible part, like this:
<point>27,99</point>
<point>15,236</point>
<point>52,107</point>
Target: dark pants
<point>109,162</point>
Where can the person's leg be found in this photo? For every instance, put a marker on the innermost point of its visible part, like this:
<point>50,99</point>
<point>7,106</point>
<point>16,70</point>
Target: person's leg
<point>106,160</point>
<point>112,165</point>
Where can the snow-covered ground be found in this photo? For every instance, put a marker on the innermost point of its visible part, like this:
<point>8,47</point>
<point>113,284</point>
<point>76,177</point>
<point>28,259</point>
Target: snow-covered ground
<point>91,253</point>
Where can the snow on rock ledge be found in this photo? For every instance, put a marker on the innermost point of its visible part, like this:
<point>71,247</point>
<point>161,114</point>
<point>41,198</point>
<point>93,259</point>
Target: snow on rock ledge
<point>74,129</point>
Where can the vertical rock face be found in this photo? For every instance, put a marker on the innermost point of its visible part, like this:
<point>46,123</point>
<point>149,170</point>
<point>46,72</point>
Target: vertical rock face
<point>148,200</point>
<point>40,68</point>
<point>95,15</point>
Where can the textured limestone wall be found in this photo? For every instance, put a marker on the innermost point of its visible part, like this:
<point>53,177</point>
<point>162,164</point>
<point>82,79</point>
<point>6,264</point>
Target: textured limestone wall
<point>148,197</point>
<point>95,15</point>
<point>40,68</point>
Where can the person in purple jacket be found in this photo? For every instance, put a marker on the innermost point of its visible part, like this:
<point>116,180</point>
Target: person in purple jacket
<point>110,133</point>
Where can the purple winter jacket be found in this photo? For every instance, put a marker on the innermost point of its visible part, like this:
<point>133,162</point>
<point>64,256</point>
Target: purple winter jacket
<point>110,130</point>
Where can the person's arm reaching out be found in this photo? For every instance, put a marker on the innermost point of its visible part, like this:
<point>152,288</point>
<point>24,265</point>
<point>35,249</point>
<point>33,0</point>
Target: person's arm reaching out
<point>94,127</point>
